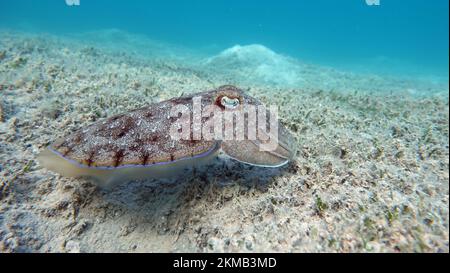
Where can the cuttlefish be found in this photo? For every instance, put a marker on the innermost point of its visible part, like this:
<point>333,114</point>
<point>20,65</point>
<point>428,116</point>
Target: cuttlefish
<point>140,144</point>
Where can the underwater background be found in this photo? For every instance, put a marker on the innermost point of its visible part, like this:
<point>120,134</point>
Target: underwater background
<point>394,37</point>
<point>363,89</point>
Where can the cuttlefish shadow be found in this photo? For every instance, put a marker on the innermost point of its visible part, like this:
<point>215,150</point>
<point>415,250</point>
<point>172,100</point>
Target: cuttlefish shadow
<point>168,208</point>
<point>204,184</point>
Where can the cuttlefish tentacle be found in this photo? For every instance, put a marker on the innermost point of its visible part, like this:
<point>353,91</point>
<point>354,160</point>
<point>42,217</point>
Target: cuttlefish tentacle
<point>139,145</point>
<point>248,151</point>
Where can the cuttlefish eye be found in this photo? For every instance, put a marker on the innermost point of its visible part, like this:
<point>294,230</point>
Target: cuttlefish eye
<point>229,103</point>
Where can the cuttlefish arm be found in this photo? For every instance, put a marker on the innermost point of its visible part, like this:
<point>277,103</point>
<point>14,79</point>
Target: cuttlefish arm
<point>251,151</point>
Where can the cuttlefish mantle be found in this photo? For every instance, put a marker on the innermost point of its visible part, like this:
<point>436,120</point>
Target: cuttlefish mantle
<point>140,144</point>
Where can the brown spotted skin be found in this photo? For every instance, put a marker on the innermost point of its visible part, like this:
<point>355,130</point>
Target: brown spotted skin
<point>140,137</point>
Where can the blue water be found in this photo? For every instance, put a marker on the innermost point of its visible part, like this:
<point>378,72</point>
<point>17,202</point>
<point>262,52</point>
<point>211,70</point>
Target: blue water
<point>398,36</point>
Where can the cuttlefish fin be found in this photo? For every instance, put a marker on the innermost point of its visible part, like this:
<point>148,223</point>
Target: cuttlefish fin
<point>102,178</point>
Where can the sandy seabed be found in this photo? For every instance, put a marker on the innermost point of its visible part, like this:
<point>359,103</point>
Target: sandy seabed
<point>371,173</point>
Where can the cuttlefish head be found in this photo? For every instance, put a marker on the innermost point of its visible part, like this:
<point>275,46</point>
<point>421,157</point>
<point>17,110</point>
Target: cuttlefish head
<point>263,141</point>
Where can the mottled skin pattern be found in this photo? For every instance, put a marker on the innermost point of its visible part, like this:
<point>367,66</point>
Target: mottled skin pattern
<point>140,137</point>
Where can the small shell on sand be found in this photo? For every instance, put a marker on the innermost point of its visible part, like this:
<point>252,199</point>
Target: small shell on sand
<point>2,112</point>
<point>2,55</point>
